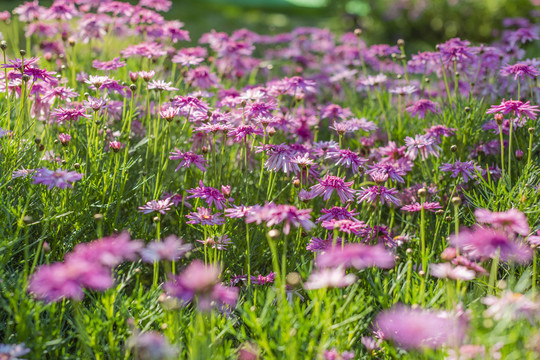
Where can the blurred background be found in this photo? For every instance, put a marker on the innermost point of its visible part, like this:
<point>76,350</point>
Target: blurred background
<point>422,23</point>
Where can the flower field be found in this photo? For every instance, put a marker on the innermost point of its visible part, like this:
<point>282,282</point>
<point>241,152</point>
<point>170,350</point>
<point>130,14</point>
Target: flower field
<point>298,195</point>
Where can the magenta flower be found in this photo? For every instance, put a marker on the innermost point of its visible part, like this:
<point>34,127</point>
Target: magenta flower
<point>241,211</point>
<point>201,283</point>
<point>332,183</point>
<point>188,158</point>
<point>421,107</point>
<point>394,172</point>
<point>512,220</point>
<point>347,226</point>
<point>113,64</point>
<point>67,280</point>
<point>204,216</point>
<point>60,178</point>
<point>423,145</point>
<point>65,139</point>
<point>263,280</point>
<point>209,194</point>
<point>160,206</point>
<point>417,207</point>
<point>358,256</point>
<point>108,251</point>
<point>243,131</point>
<point>334,354</point>
<point>273,214</point>
<point>171,248</point>
<point>378,193</point>
<point>466,169</point>
<point>418,329</point>
<point>516,107</point>
<point>347,158</point>
<point>69,114</point>
<point>218,242</point>
<point>329,278</point>
<point>488,243</point>
<point>280,157</point>
<point>521,70</point>
<point>337,213</point>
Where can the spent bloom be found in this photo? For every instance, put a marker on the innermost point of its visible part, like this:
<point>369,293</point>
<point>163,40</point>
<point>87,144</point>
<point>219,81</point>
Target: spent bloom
<point>60,178</point>
<point>332,183</point>
<point>418,329</point>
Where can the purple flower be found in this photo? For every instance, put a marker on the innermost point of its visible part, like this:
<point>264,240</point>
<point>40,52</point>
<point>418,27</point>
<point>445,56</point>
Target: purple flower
<point>423,145</point>
<point>188,158</point>
<point>209,194</point>
<point>347,158</point>
<point>334,354</point>
<point>289,215</point>
<point>13,351</point>
<point>521,70</point>
<point>421,107</point>
<point>417,207</point>
<point>358,256</point>
<point>171,248</point>
<point>204,216</point>
<point>418,329</point>
<point>319,244</point>
<point>338,213</point>
<point>217,242</point>
<point>516,107</point>
<point>456,51</point>
<point>280,157</point>
<point>69,114</point>
<point>378,193</point>
<point>201,282</point>
<point>394,172</point>
<point>108,65</point>
<point>160,206</point>
<point>329,278</point>
<point>466,169</point>
<point>512,220</point>
<point>488,243</point>
<point>60,178</point>
<point>263,280</point>
<point>108,251</point>
<point>332,183</point>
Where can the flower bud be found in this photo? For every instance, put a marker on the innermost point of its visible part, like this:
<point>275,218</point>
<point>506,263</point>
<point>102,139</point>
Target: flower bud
<point>456,200</point>
<point>273,234</point>
<point>519,154</point>
<point>499,119</point>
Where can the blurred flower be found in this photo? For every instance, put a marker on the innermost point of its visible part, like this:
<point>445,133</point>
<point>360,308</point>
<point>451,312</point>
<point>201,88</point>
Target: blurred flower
<point>358,256</point>
<point>512,220</point>
<point>171,248</point>
<point>13,351</point>
<point>151,346</point>
<point>329,278</point>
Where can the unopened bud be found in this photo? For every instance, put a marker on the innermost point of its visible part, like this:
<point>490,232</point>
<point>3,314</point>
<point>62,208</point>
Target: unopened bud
<point>273,234</point>
<point>453,148</point>
<point>456,200</point>
<point>422,192</point>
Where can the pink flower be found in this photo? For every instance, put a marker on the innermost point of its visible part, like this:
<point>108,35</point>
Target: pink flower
<point>209,194</point>
<point>289,215</point>
<point>171,248</point>
<point>521,70</point>
<point>488,243</point>
<point>329,278</point>
<point>421,107</point>
<point>358,256</point>
<point>447,271</point>
<point>423,145</point>
<point>517,107</point>
<point>200,282</point>
<point>204,216</point>
<point>60,178</point>
<point>332,183</point>
<point>417,207</point>
<point>188,158</point>
<point>512,220</point>
<point>378,193</point>
<point>160,206</point>
<point>418,329</point>
<point>263,280</point>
